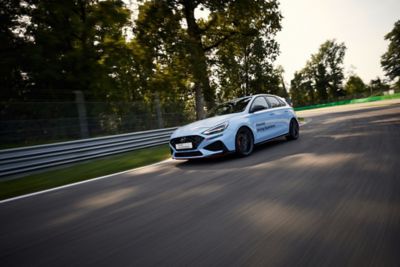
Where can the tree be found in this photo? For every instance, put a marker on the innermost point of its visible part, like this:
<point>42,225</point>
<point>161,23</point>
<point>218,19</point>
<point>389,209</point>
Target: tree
<point>57,47</point>
<point>51,48</point>
<point>301,90</point>
<point>73,40</point>
<point>13,46</point>
<point>327,68</point>
<point>164,57</point>
<point>245,66</point>
<point>323,73</point>
<point>355,85</point>
<point>272,81</point>
<point>377,86</point>
<point>321,80</point>
<point>297,90</point>
<point>226,20</point>
<point>391,59</point>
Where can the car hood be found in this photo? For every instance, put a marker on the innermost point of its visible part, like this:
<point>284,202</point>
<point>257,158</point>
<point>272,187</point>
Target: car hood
<point>200,126</point>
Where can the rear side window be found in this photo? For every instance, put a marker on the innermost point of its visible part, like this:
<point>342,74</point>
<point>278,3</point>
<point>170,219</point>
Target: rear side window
<point>259,101</point>
<point>282,102</point>
<point>275,102</point>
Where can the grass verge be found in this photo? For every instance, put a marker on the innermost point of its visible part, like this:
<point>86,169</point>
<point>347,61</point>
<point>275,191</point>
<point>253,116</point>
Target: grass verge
<point>82,171</point>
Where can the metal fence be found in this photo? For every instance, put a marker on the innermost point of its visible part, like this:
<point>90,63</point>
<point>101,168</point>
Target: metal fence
<point>26,159</point>
<point>27,123</point>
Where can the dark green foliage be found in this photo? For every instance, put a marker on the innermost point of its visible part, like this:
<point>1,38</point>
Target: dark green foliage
<point>12,50</point>
<point>62,46</point>
<point>391,59</point>
<point>245,66</point>
<point>301,90</point>
<point>377,86</point>
<point>355,85</point>
<point>321,80</point>
<point>228,23</point>
<point>73,39</point>
<point>171,67</point>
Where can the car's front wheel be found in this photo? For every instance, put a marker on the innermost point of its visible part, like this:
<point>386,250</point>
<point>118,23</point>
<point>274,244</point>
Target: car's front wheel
<point>294,130</point>
<point>244,142</point>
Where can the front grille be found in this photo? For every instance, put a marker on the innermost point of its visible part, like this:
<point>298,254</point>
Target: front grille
<point>194,139</point>
<point>188,154</point>
<point>216,146</point>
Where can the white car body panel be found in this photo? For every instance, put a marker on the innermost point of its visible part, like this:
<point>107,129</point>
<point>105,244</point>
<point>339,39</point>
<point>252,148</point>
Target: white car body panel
<point>264,124</point>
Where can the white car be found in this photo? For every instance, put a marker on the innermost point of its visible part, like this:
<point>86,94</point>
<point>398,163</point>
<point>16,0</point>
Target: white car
<point>236,126</point>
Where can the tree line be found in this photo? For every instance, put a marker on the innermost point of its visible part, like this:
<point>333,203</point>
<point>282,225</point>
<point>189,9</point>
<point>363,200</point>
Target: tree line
<point>49,47</point>
<point>323,80</point>
<point>161,52</point>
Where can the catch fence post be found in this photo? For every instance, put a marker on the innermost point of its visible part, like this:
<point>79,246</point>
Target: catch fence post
<point>80,104</point>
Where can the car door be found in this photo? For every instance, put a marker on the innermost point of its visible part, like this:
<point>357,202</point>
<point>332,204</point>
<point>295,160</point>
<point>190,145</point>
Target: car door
<point>279,110</point>
<point>262,119</point>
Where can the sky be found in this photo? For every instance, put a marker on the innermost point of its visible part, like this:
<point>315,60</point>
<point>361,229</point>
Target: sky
<point>360,24</point>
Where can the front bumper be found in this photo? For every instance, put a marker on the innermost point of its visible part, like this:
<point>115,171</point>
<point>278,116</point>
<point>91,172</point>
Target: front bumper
<point>204,146</point>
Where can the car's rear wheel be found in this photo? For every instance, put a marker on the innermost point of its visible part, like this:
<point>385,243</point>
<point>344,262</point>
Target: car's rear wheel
<point>294,130</point>
<point>244,142</point>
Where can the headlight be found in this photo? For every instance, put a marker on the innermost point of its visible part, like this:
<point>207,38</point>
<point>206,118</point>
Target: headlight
<point>217,129</point>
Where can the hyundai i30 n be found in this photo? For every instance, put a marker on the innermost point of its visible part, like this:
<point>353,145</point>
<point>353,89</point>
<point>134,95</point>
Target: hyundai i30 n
<point>236,126</point>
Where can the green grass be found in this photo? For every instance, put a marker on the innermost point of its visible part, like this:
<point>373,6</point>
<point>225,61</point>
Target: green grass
<point>82,171</point>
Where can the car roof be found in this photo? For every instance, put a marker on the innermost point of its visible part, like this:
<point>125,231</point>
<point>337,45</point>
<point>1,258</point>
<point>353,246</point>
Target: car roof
<point>251,97</point>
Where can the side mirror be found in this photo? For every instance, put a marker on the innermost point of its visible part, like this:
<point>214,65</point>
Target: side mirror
<point>257,108</point>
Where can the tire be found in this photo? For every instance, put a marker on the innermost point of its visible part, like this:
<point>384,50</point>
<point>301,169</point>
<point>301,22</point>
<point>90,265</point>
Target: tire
<point>294,130</point>
<point>244,142</point>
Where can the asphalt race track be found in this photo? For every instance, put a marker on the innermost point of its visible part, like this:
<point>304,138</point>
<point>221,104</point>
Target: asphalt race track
<point>331,198</point>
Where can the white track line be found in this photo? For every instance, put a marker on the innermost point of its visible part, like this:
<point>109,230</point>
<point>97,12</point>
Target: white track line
<point>78,183</point>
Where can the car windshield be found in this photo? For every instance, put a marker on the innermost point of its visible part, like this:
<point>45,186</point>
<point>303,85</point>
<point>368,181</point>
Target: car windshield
<point>234,106</point>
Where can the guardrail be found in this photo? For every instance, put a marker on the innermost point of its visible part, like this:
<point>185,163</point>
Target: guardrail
<point>26,159</point>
